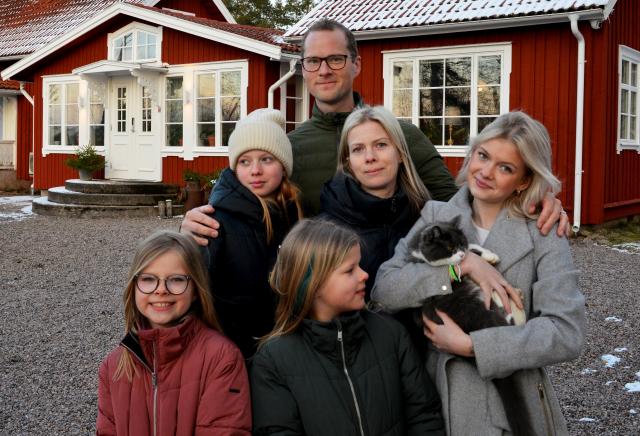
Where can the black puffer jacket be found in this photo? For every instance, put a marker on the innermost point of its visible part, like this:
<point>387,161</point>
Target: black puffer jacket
<point>379,222</point>
<point>300,383</point>
<point>240,260</point>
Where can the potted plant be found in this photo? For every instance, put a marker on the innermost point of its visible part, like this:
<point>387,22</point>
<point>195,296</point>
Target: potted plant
<point>86,160</point>
<point>193,189</point>
<point>209,181</point>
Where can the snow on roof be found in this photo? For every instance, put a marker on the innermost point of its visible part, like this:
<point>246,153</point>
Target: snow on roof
<point>361,15</point>
<point>270,36</point>
<point>26,25</point>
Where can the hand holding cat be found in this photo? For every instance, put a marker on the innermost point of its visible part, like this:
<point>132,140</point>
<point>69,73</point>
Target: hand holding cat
<point>489,279</point>
<point>448,337</point>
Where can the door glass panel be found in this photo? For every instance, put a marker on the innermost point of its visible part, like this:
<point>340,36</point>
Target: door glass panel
<point>121,109</point>
<point>146,110</point>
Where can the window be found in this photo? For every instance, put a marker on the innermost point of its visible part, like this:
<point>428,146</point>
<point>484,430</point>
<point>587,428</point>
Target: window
<point>146,110</point>
<point>218,106</point>
<point>628,100</point>
<point>132,44</point>
<point>449,93</point>
<point>174,112</point>
<point>1,118</point>
<point>63,114</point>
<point>96,117</point>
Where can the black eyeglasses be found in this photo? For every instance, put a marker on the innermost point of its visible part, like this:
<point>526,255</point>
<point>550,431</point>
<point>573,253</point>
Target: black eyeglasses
<point>335,62</point>
<point>175,284</point>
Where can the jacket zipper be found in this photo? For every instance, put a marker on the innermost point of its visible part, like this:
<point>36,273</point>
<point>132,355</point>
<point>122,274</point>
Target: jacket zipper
<point>545,409</point>
<point>346,373</point>
<point>154,382</point>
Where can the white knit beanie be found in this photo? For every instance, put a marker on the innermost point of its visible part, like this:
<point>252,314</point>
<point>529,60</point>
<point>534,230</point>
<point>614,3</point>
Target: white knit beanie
<point>262,129</point>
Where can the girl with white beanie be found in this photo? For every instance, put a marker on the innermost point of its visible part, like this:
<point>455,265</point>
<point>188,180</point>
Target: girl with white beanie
<point>256,205</point>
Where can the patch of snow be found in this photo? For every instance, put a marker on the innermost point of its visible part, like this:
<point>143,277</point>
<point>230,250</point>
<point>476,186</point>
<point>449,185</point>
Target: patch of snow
<point>621,349</point>
<point>610,360</point>
<point>629,247</point>
<point>588,371</point>
<point>610,382</point>
<point>613,319</point>
<point>633,411</point>
<point>638,375</point>
<point>632,387</point>
<point>16,199</point>
<point>587,420</point>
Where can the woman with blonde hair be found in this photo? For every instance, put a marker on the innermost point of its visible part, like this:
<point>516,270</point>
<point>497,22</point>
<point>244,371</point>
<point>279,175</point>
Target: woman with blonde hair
<point>507,168</point>
<point>376,191</point>
<point>256,205</point>
<point>174,372</point>
<point>329,367</point>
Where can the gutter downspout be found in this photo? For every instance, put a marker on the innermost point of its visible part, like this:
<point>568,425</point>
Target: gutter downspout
<point>272,88</point>
<point>33,131</point>
<point>577,190</point>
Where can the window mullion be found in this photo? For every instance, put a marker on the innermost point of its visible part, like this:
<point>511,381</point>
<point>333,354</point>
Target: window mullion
<point>415,93</point>
<point>217,121</point>
<point>473,96</point>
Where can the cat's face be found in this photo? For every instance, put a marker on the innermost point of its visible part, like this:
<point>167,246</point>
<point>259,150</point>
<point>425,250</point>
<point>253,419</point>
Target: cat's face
<point>443,244</point>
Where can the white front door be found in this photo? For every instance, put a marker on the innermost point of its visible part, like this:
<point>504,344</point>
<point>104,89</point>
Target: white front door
<point>134,146</point>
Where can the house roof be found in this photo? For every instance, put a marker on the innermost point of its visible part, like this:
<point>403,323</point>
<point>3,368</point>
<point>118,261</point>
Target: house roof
<point>270,36</point>
<point>25,26</point>
<point>267,42</point>
<point>9,84</point>
<point>374,15</point>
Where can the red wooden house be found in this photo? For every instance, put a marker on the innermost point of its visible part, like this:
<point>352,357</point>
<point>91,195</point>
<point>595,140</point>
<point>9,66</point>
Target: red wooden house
<point>451,66</point>
<point>156,86</point>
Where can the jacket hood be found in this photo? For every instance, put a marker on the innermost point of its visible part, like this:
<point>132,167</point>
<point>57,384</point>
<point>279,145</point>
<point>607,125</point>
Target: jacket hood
<point>342,198</point>
<point>324,336</point>
<point>230,195</point>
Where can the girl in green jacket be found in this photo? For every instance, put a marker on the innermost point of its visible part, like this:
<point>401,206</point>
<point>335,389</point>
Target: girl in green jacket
<point>329,366</point>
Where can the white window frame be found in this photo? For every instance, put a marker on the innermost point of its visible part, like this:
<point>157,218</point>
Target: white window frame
<point>134,28</point>
<point>632,56</point>
<point>415,55</point>
<point>190,148</point>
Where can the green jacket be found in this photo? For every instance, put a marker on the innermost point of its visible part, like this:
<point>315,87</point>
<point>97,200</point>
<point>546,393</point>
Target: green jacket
<point>372,383</point>
<point>315,156</point>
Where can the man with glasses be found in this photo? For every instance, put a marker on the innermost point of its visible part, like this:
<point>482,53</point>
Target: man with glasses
<point>330,64</point>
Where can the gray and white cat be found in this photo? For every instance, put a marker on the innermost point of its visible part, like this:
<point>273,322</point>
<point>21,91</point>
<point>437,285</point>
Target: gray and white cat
<point>443,243</point>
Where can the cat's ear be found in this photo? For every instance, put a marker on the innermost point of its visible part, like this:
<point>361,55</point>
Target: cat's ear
<point>456,221</point>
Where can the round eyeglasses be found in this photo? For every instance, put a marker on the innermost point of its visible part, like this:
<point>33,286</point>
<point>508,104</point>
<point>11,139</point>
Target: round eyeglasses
<point>175,284</point>
<point>335,62</point>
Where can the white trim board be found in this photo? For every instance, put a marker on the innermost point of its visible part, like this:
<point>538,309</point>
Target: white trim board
<point>182,25</point>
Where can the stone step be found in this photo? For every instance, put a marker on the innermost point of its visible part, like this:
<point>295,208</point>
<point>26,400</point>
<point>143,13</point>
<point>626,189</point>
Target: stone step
<point>120,187</point>
<point>43,206</point>
<point>65,196</point>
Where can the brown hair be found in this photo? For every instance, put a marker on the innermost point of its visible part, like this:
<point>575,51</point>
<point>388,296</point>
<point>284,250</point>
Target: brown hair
<point>312,250</point>
<point>327,24</point>
<point>287,192</point>
<point>407,177</point>
<point>148,250</point>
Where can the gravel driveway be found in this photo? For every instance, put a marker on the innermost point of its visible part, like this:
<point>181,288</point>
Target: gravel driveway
<point>61,281</point>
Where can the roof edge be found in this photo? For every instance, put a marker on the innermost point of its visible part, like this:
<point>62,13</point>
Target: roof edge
<point>221,7</point>
<point>464,26</point>
<point>193,28</point>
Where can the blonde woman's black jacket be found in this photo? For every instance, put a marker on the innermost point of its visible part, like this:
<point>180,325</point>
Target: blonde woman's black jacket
<point>240,259</point>
<point>371,383</point>
<point>379,222</point>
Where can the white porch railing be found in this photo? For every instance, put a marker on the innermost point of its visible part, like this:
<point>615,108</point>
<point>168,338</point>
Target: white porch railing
<point>6,154</point>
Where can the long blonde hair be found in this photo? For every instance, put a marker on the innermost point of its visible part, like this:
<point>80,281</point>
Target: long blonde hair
<point>408,177</point>
<point>312,250</point>
<point>534,145</point>
<point>150,249</point>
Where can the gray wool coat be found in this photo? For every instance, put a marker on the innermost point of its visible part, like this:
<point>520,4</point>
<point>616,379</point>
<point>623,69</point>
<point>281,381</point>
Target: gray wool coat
<point>542,267</point>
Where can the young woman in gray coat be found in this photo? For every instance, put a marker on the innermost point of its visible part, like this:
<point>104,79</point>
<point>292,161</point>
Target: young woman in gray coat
<point>508,167</point>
